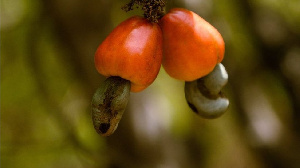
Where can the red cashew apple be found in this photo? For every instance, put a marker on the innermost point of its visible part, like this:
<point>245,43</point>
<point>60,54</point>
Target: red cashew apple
<point>191,46</point>
<point>132,51</point>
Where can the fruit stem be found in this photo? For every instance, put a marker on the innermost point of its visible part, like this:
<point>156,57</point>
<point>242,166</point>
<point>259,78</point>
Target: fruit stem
<point>153,9</point>
<point>109,103</point>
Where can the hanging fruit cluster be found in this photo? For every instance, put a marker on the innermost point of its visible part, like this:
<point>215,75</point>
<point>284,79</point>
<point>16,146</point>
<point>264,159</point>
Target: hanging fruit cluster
<point>188,47</point>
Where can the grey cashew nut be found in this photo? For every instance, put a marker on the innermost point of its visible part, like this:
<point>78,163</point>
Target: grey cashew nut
<point>204,95</point>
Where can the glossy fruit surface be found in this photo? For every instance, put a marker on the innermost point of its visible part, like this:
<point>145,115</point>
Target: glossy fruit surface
<point>132,51</point>
<point>191,46</point>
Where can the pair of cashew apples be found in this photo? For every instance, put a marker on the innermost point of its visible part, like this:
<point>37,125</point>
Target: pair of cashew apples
<point>185,44</point>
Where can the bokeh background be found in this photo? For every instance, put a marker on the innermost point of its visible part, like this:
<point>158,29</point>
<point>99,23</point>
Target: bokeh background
<point>48,78</point>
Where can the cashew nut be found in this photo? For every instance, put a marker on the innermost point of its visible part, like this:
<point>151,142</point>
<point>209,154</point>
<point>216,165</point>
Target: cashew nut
<point>204,95</point>
<point>109,103</point>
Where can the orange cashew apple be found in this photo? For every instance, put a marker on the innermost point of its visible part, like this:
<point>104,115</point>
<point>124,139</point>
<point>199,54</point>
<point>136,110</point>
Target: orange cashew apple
<point>191,46</point>
<point>132,51</point>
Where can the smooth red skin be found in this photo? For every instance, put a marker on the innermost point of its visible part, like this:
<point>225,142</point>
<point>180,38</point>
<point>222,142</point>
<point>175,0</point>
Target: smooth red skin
<point>191,46</point>
<point>133,51</point>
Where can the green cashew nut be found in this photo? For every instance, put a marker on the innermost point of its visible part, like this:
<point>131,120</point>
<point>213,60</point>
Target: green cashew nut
<point>109,103</point>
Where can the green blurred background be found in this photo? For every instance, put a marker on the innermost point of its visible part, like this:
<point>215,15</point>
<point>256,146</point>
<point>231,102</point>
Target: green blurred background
<point>48,78</point>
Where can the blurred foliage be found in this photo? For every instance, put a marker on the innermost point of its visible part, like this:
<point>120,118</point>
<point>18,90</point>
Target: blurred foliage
<point>48,78</point>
